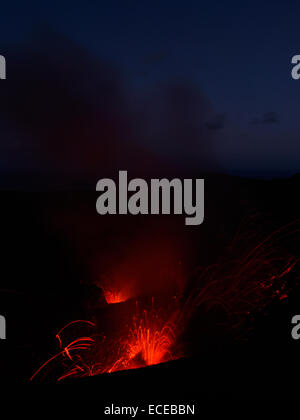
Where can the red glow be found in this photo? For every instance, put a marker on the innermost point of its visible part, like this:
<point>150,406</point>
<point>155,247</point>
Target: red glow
<point>148,266</point>
<point>241,285</point>
<point>247,282</point>
<point>150,340</point>
<point>82,343</point>
<point>114,296</point>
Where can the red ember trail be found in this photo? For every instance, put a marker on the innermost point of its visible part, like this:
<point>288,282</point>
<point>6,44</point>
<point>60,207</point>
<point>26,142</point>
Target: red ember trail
<point>240,285</point>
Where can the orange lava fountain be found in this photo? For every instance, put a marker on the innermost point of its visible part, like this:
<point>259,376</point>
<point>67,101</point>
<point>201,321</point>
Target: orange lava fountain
<point>241,285</point>
<point>151,340</point>
<point>114,296</point>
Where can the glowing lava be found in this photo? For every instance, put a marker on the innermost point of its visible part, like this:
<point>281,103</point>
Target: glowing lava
<point>114,296</point>
<point>241,285</point>
<point>151,340</point>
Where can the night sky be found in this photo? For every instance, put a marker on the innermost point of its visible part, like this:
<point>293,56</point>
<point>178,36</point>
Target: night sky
<point>236,54</point>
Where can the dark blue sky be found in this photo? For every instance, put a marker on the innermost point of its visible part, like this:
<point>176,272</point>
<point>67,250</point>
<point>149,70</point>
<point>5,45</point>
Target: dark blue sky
<point>238,53</point>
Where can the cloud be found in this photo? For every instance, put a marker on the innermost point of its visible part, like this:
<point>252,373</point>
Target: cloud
<point>75,119</point>
<point>172,122</point>
<point>267,118</point>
